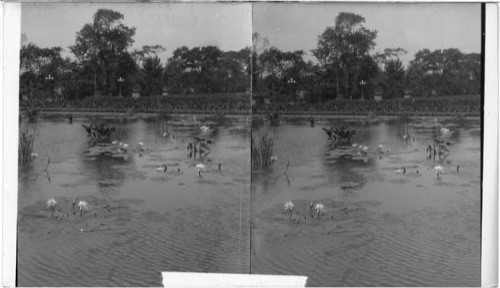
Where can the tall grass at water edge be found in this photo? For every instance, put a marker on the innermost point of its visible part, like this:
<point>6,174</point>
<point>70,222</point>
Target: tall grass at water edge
<point>26,144</point>
<point>262,150</point>
<point>161,123</point>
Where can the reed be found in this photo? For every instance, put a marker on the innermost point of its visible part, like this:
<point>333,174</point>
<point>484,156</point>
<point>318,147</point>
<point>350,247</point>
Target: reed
<point>26,144</point>
<point>32,114</point>
<point>161,124</point>
<point>262,150</point>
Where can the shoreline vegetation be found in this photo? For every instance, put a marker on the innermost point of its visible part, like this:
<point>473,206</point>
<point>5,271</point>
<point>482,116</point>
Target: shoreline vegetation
<point>240,104</point>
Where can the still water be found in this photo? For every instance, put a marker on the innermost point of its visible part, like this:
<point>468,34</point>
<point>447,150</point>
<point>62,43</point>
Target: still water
<point>378,228</point>
<point>140,220</point>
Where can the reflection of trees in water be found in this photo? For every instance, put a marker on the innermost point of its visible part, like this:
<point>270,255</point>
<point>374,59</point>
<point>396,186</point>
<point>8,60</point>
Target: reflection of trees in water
<point>106,171</point>
<point>342,171</point>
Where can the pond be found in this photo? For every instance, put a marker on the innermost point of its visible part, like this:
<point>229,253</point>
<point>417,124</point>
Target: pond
<point>379,226</point>
<point>140,219</point>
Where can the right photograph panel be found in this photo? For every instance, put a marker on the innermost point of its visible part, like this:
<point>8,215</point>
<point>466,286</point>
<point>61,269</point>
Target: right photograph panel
<point>366,143</point>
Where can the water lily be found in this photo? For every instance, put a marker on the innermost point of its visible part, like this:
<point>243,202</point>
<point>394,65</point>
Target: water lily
<point>438,168</point>
<point>114,143</point>
<point>162,168</point>
<point>34,155</point>
<point>274,158</point>
<point>365,148</point>
<point>354,145</point>
<point>125,146</point>
<point>445,131</point>
<point>165,134</point>
<point>289,206</point>
<point>82,205</point>
<point>51,203</point>
<point>205,129</point>
<point>141,144</point>
<point>401,170</point>
<point>319,208</point>
<point>201,168</point>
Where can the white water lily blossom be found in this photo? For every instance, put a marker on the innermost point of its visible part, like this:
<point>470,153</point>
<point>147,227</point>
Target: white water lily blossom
<point>320,207</point>
<point>274,158</point>
<point>438,168</point>
<point>82,205</point>
<point>34,155</point>
<point>51,202</point>
<point>289,205</point>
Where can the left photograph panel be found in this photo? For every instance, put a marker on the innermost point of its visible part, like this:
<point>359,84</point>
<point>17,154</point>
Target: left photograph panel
<point>134,142</point>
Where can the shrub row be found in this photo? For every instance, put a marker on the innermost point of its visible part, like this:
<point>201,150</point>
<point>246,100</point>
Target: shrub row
<point>240,104</point>
<point>469,106</point>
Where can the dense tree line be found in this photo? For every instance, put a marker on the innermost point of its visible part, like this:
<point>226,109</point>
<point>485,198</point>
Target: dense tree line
<point>104,63</point>
<point>346,67</point>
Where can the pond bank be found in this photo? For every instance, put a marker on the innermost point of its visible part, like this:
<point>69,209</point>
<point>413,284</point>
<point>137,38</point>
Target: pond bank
<point>230,114</point>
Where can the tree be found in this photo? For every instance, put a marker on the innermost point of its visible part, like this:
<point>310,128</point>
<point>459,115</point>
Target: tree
<point>394,85</point>
<point>256,68</point>
<point>391,77</point>
<point>343,48</point>
<point>35,65</point>
<point>101,44</point>
<point>150,76</point>
<point>444,72</point>
<point>282,71</point>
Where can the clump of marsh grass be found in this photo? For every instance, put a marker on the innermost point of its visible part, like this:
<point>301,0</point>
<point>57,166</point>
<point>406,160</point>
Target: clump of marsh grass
<point>161,124</point>
<point>372,115</point>
<point>25,152</point>
<point>32,114</point>
<point>402,122</point>
<point>262,151</point>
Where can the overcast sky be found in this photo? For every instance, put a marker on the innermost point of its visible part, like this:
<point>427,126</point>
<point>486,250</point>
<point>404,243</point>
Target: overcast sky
<point>227,26</point>
<point>409,26</point>
<point>288,26</point>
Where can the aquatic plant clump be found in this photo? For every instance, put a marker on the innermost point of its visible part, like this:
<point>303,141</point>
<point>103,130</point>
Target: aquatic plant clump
<point>340,135</point>
<point>99,132</point>
<point>262,151</point>
<point>32,114</point>
<point>25,152</point>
